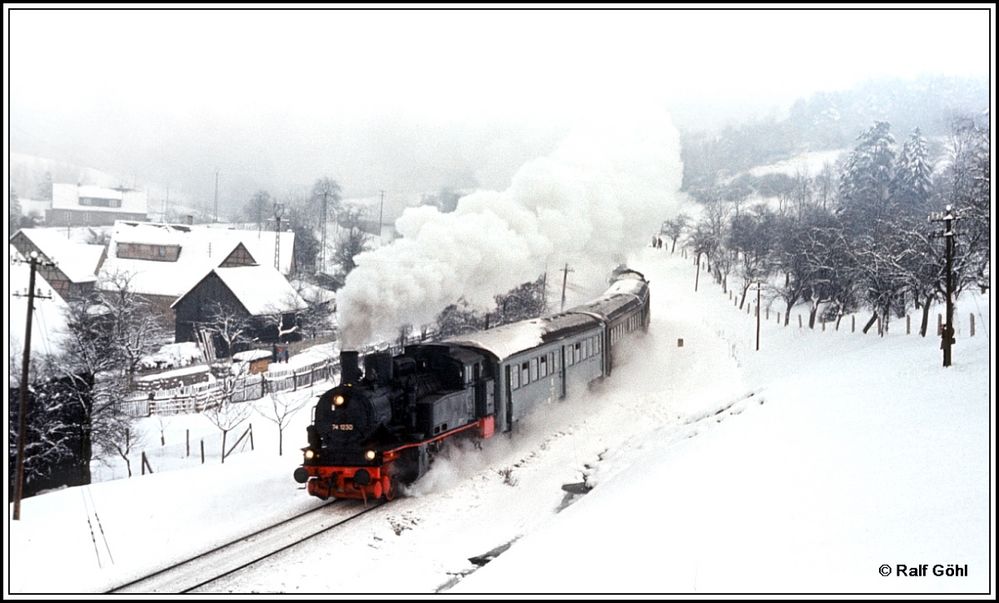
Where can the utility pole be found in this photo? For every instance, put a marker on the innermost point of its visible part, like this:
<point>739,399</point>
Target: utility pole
<point>381,209</point>
<point>278,212</point>
<point>22,413</point>
<point>758,287</point>
<point>322,243</point>
<point>565,276</point>
<point>215,217</point>
<point>947,336</point>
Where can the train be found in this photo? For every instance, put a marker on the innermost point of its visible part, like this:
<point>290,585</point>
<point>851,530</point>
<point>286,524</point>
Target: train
<point>380,428</point>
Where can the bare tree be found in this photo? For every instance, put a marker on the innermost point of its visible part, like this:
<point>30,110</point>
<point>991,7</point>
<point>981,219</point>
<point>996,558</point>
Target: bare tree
<point>123,443</point>
<point>284,405</point>
<point>135,330</point>
<point>352,241</point>
<point>224,413</point>
<point>674,227</point>
<point>232,325</point>
<point>258,209</point>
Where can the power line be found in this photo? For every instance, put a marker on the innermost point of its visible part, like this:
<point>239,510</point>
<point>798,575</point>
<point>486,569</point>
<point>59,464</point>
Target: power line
<point>22,429</point>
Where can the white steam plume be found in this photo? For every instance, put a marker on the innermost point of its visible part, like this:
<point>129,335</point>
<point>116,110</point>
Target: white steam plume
<point>599,195</point>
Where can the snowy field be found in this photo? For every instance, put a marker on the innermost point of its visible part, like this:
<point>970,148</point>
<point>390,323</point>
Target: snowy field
<point>801,468</point>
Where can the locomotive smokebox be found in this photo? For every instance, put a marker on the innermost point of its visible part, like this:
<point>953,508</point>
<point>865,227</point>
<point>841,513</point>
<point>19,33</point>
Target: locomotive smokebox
<point>350,371</point>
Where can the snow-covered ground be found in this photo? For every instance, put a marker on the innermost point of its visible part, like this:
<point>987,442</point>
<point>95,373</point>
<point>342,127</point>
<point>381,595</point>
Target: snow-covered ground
<point>800,468</point>
<point>809,164</point>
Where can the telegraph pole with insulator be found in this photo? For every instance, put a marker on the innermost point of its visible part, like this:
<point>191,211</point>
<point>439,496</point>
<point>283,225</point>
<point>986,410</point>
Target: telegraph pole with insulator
<point>22,412</point>
<point>947,335</point>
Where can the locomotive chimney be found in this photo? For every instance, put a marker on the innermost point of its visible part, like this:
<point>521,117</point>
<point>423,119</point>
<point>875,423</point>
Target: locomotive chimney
<point>350,371</point>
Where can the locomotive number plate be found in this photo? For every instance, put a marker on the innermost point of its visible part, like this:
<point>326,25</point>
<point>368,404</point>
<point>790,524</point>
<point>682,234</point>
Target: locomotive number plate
<point>342,427</point>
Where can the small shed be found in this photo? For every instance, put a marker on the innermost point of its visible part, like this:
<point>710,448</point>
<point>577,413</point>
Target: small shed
<point>258,360</point>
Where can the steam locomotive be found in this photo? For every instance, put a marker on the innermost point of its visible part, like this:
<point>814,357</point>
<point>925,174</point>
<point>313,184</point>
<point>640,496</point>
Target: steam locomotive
<point>380,428</point>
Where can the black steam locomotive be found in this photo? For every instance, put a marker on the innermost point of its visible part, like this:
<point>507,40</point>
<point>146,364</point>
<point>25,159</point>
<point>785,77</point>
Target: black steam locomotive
<point>379,429</point>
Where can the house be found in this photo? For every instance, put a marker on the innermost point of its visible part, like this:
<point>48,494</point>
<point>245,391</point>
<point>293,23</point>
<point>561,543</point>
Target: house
<point>164,261</point>
<point>259,295</point>
<point>76,264</point>
<point>89,205</point>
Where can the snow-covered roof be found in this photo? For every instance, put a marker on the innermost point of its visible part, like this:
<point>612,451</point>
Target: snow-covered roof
<point>78,261</point>
<point>507,340</point>
<point>201,249</point>
<point>67,196</point>
<point>261,289</point>
<point>251,355</point>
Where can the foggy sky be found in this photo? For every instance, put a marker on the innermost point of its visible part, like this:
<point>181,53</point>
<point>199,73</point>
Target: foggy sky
<point>410,101</point>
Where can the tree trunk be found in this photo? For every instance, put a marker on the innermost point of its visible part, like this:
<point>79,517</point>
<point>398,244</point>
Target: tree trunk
<point>224,431</point>
<point>870,323</point>
<point>672,249</point>
<point>742,301</point>
<point>926,316</point>
<point>811,314</point>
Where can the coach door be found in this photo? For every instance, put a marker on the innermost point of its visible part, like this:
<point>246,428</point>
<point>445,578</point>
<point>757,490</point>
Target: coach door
<point>561,371</point>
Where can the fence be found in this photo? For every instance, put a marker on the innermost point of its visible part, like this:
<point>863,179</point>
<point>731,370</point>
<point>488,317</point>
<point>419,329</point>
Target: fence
<point>196,397</point>
<point>150,457</point>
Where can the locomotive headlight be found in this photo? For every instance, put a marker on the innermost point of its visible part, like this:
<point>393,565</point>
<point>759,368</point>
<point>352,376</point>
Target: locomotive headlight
<point>310,454</point>
<point>338,400</point>
<point>370,455</point>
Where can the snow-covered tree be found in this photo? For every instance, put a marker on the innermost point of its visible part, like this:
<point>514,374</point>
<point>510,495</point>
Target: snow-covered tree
<point>674,228</point>
<point>750,237</point>
<point>522,302</point>
<point>866,201</point>
<point>352,241</point>
<point>134,329</point>
<point>52,424</point>
<point>913,174</point>
<point>458,318</point>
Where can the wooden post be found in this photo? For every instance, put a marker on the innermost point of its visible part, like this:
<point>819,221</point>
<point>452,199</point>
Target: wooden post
<point>823,326</point>
<point>202,451</point>
<point>251,436</point>
<point>853,323</point>
<point>799,320</point>
<point>768,312</point>
<point>187,440</point>
<point>972,317</point>
<point>145,464</point>
<point>908,325</point>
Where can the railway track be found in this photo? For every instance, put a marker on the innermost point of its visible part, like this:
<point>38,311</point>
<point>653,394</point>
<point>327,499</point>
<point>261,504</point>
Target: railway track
<point>201,570</point>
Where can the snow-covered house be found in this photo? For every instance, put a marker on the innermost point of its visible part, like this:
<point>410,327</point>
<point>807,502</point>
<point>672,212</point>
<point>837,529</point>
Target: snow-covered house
<point>76,264</point>
<point>164,261</point>
<point>89,205</point>
<point>259,295</point>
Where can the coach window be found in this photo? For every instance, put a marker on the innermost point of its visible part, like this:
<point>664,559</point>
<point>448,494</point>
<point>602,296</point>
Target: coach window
<point>514,377</point>
<point>551,363</point>
<point>525,375</point>
<point>568,355</point>
<point>576,353</point>
<point>544,366</point>
<point>598,343</point>
<point>534,369</point>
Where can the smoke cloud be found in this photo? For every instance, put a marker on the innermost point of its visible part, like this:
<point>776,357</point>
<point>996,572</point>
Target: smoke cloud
<point>601,194</point>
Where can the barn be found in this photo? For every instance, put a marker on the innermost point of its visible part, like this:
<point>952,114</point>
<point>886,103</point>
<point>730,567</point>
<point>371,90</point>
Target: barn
<point>258,298</point>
